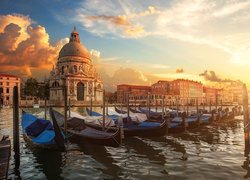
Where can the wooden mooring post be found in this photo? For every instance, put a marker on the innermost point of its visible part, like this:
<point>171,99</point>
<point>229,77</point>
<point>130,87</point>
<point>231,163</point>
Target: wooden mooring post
<point>103,110</point>
<point>69,108</point>
<point>246,118</point>
<point>45,109</point>
<point>216,102</point>
<point>184,123</point>
<point>148,104</point>
<point>16,143</point>
<point>91,104</point>
<point>128,118</point>
<point>210,106</point>
<point>65,109</point>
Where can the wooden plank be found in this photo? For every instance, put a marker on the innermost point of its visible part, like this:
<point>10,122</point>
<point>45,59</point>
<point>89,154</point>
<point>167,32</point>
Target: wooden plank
<point>5,148</point>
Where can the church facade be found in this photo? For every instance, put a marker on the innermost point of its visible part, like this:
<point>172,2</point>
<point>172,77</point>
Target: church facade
<point>75,73</point>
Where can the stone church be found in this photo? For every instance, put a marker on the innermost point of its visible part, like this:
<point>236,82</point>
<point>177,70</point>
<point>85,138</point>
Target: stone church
<point>75,71</point>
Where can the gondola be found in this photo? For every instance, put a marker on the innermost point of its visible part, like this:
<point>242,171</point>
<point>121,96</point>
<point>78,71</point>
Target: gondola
<point>120,111</point>
<point>42,133</point>
<point>144,129</point>
<point>153,115</point>
<point>78,131</point>
<point>134,110</point>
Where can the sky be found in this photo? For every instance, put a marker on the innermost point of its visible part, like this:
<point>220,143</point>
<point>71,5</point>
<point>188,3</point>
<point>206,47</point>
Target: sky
<point>136,42</point>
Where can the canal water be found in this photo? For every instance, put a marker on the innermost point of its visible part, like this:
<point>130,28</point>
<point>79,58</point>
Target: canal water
<point>209,152</point>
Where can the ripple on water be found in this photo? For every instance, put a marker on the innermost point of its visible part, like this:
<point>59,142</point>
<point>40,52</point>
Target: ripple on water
<point>209,152</point>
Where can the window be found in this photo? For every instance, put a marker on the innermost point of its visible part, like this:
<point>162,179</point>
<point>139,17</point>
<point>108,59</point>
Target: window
<point>1,83</point>
<point>8,78</point>
<point>7,90</point>
<point>7,83</point>
<point>7,98</point>
<point>62,69</point>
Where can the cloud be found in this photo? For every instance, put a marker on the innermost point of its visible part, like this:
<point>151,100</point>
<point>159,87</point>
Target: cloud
<point>172,76</point>
<point>116,20</point>
<point>159,66</point>
<point>206,22</point>
<point>213,77</point>
<point>232,8</point>
<point>179,70</point>
<point>24,46</point>
<point>124,76</point>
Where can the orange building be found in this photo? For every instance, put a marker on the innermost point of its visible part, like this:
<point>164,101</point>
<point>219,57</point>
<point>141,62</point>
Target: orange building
<point>210,95</point>
<point>187,91</point>
<point>7,83</point>
<point>161,91</point>
<point>182,90</point>
<point>136,93</point>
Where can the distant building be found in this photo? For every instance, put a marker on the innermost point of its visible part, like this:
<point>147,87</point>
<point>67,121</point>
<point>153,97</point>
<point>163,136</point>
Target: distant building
<point>211,95</point>
<point>7,83</point>
<point>75,71</point>
<point>161,91</point>
<point>187,91</point>
<point>137,93</point>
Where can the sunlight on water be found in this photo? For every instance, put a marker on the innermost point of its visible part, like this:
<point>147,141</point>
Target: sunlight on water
<point>210,152</point>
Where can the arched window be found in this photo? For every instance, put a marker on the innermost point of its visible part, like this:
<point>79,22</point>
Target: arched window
<point>62,69</point>
<point>80,91</point>
<point>75,68</point>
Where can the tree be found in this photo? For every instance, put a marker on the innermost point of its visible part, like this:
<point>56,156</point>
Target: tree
<point>43,91</point>
<point>31,87</point>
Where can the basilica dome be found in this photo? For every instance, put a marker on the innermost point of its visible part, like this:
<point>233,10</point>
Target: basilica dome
<point>74,47</point>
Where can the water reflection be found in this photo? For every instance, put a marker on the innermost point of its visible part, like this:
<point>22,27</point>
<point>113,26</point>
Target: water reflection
<point>214,151</point>
<point>50,162</point>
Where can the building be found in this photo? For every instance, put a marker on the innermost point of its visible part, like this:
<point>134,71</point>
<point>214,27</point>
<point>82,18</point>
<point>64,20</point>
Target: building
<point>187,91</point>
<point>211,95</point>
<point>161,91</point>
<point>75,72</point>
<point>181,90</point>
<point>7,83</point>
<point>137,93</point>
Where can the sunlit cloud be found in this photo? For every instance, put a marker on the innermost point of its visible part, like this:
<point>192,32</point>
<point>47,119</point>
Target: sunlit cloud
<point>205,22</point>
<point>172,76</point>
<point>159,66</point>
<point>25,47</point>
<point>179,70</point>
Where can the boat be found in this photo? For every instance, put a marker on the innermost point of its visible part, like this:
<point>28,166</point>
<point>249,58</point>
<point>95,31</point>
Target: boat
<point>130,128</point>
<point>42,133</point>
<point>134,110</point>
<point>152,115</point>
<point>120,111</point>
<point>81,133</point>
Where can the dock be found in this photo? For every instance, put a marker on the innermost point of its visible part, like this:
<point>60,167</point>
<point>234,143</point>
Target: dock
<point>5,149</point>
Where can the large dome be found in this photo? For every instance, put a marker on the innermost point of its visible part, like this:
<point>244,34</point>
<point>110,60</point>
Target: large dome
<point>74,49</point>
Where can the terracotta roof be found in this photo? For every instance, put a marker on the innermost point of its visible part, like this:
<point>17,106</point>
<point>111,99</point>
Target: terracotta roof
<point>131,85</point>
<point>8,75</point>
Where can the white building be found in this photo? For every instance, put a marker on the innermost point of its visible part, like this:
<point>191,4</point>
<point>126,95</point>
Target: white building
<point>75,71</point>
